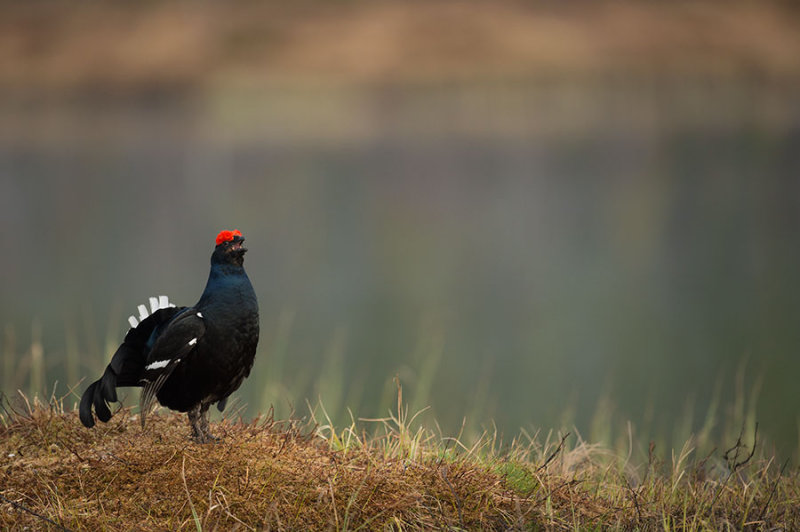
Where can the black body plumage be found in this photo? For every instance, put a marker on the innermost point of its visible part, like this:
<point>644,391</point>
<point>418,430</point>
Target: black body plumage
<point>187,357</point>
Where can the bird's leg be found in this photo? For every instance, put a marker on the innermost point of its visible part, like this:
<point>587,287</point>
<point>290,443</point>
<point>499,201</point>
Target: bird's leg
<point>194,422</point>
<point>204,423</point>
<point>198,419</point>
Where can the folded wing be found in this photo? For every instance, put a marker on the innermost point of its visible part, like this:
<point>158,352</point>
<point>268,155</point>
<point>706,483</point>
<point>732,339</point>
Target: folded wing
<point>171,348</point>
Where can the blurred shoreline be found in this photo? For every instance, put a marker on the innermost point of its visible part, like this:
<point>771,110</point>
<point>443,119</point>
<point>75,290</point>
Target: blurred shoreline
<point>332,115</point>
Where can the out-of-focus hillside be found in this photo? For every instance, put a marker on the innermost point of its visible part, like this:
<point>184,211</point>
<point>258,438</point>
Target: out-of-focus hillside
<point>123,47</point>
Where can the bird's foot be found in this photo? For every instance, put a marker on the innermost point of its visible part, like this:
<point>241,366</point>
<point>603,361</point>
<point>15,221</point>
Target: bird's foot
<point>198,420</point>
<point>204,437</point>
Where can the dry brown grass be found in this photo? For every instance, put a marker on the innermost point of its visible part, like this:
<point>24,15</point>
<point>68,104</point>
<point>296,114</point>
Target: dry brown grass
<point>292,475</point>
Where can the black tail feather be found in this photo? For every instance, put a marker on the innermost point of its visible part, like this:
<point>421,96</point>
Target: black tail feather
<point>99,393</point>
<point>96,394</point>
<point>87,399</point>
<point>125,368</point>
<point>108,385</point>
<point>101,409</point>
<point>85,409</point>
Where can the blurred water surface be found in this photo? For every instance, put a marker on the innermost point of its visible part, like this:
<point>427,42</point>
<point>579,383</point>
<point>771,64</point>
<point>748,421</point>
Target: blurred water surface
<point>512,251</point>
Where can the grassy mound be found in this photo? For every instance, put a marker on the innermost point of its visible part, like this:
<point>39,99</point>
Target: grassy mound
<point>292,475</point>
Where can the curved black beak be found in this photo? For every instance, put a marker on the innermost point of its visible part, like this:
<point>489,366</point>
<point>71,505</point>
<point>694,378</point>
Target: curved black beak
<point>237,244</point>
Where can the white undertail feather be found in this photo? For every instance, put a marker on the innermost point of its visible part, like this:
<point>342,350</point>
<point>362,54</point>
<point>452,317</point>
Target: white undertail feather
<point>158,365</point>
<point>156,303</point>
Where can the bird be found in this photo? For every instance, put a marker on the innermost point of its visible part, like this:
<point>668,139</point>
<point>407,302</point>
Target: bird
<point>187,358</point>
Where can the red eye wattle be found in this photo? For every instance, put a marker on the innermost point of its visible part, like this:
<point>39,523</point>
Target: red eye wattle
<point>227,236</point>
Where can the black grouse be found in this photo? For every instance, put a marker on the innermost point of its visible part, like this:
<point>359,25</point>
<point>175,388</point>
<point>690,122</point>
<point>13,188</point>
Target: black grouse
<point>187,357</point>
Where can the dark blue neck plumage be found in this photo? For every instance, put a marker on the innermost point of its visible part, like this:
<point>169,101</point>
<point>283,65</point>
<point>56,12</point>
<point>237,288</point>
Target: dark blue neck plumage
<point>225,280</point>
